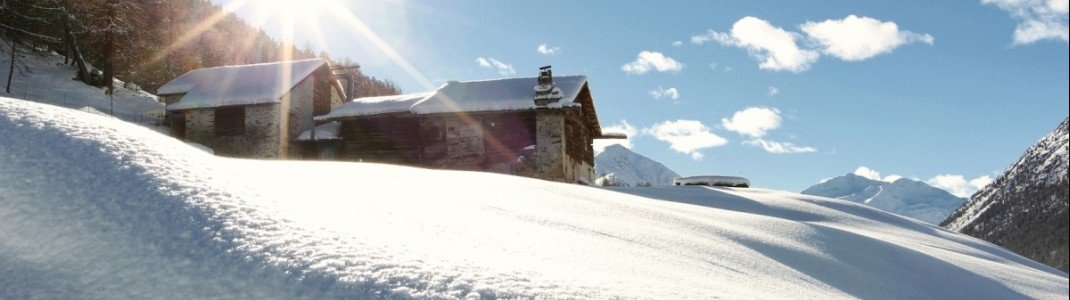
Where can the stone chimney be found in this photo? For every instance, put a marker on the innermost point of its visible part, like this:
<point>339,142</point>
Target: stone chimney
<point>545,91</point>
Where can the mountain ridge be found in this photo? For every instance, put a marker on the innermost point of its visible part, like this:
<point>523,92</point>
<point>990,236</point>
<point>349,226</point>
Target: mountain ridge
<point>620,166</point>
<point>1025,208</point>
<point>903,196</point>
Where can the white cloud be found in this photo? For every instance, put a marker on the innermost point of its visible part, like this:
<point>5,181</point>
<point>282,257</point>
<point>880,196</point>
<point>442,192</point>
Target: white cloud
<point>892,178</point>
<point>670,93</point>
<point>868,173</point>
<point>850,39</point>
<point>686,136</point>
<point>494,64</point>
<point>547,50</point>
<point>774,47</point>
<point>859,38</point>
<point>874,175</point>
<point>647,61</point>
<point>756,122</point>
<point>773,91</point>
<point>677,43</point>
<point>958,185</point>
<point>753,121</point>
<point>779,147</point>
<point>1037,19</point>
<point>624,128</point>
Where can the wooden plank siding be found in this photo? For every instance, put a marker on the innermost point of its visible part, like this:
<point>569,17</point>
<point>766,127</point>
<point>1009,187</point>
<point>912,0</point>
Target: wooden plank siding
<point>483,142</point>
<point>384,139</point>
<point>578,137</point>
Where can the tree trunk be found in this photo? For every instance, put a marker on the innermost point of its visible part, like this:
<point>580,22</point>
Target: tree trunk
<point>76,55</point>
<point>109,53</point>
<point>11,68</point>
<point>109,71</point>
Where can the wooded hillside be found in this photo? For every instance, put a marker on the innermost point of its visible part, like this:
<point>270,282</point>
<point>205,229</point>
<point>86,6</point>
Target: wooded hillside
<point>148,42</point>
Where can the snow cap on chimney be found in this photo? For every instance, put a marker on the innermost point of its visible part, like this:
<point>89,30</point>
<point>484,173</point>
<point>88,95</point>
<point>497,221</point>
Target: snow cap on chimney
<point>545,91</point>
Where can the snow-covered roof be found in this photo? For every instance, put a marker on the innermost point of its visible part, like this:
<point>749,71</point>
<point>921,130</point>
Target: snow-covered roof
<point>465,96</point>
<point>730,181</point>
<point>328,131</point>
<point>238,85</point>
<point>377,105</point>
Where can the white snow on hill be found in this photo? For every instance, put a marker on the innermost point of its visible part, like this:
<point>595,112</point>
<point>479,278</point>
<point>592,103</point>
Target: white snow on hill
<point>626,168</point>
<point>906,197</point>
<point>93,207</point>
<point>47,80</point>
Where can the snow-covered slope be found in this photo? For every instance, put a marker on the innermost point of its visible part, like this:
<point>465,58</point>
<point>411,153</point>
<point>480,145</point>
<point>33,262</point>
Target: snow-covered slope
<point>630,169</point>
<point>906,197</point>
<point>47,80</point>
<point>93,207</point>
<point>1025,209</point>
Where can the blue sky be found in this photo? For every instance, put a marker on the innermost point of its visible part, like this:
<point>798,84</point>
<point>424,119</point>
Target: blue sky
<point>917,89</point>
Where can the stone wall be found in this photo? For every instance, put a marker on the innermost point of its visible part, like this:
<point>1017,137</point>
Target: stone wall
<point>261,138</point>
<point>563,150</point>
<point>298,102</point>
<point>550,144</point>
<point>270,129</point>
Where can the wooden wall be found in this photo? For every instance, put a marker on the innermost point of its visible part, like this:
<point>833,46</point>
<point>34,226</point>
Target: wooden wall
<point>485,142</point>
<point>578,137</point>
<point>493,142</point>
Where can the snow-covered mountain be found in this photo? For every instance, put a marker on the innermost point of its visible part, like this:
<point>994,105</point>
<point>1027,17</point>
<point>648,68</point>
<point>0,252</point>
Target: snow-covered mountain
<point>620,166</point>
<point>1025,209</point>
<point>93,207</point>
<point>906,197</point>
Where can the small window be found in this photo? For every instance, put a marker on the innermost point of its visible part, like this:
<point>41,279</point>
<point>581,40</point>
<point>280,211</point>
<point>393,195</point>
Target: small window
<point>230,121</point>
<point>431,133</point>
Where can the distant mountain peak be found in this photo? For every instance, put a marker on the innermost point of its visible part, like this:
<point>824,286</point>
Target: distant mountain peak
<point>618,165</point>
<point>903,196</point>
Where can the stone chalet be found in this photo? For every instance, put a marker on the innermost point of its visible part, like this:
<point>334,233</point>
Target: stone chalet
<point>540,127</point>
<point>255,111</point>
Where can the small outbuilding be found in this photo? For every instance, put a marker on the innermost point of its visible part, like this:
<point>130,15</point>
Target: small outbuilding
<point>254,111</point>
<point>540,127</point>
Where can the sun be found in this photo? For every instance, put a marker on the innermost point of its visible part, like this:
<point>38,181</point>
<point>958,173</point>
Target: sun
<point>303,19</point>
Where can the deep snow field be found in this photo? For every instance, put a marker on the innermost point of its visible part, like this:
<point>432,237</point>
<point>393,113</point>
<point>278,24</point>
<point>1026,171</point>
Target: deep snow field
<point>92,207</point>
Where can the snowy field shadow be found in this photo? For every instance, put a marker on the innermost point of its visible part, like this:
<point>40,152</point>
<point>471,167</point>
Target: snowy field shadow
<point>858,265</point>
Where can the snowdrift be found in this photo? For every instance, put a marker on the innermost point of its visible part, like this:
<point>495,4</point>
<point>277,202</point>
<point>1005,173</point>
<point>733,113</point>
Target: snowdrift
<point>91,207</point>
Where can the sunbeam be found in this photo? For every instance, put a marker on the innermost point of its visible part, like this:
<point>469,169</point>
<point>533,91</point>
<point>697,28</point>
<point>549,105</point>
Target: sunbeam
<point>366,32</point>
<point>201,27</point>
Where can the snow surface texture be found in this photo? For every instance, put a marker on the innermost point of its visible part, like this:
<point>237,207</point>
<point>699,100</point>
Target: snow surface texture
<point>48,80</point>
<point>238,85</point>
<point>626,168</point>
<point>904,196</point>
<point>456,96</point>
<point>96,208</point>
<point>728,181</point>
